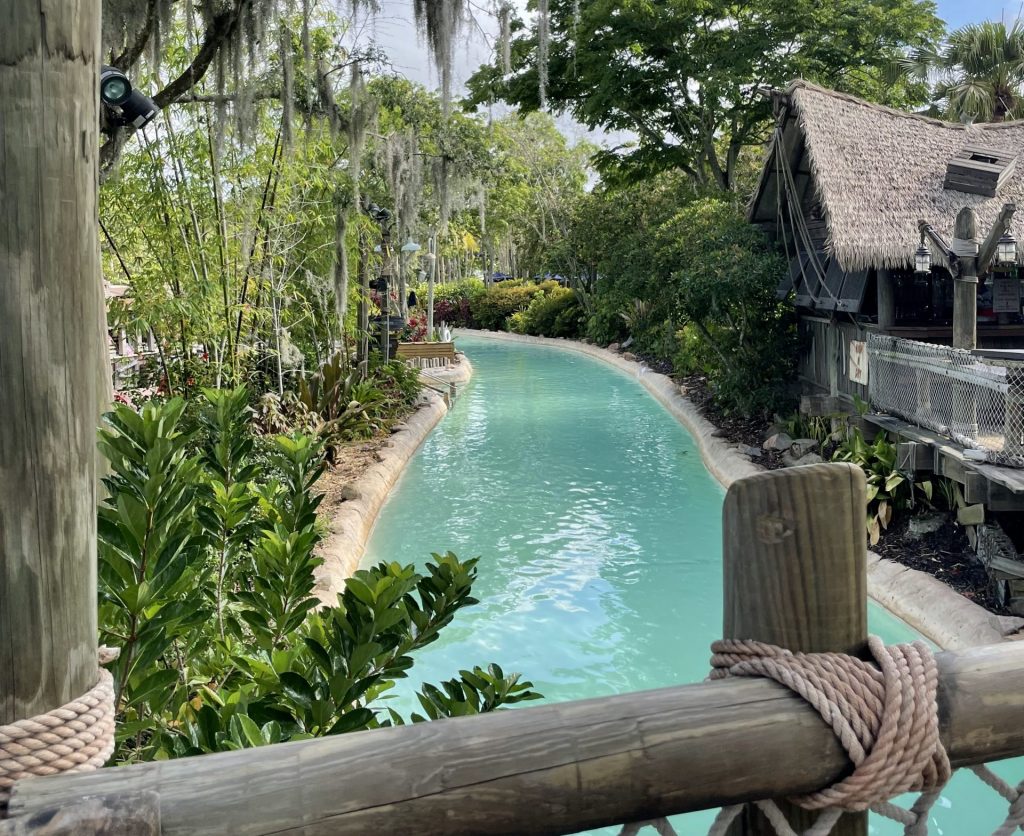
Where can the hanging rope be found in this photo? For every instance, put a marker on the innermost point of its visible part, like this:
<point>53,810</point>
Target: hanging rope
<point>77,737</point>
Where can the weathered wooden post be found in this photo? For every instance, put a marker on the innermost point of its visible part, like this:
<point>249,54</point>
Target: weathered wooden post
<point>886,300</point>
<point>52,353</point>
<point>965,285</point>
<point>795,558</point>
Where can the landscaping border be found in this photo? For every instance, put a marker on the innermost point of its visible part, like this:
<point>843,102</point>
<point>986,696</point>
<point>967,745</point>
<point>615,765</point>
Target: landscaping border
<point>926,604</point>
<point>352,524</point>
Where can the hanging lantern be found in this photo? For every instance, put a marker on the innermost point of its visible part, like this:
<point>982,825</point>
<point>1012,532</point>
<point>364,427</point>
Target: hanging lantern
<point>1006,249</point>
<point>923,259</point>
<point>410,246</point>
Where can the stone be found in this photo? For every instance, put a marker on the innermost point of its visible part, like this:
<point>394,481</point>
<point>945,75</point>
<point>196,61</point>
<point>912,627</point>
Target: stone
<point>971,515</point>
<point>803,446</point>
<point>628,343</point>
<point>778,441</point>
<point>348,492</point>
<point>789,460</point>
<point>630,356</point>
<point>918,527</point>
<point>613,346</point>
<point>746,450</point>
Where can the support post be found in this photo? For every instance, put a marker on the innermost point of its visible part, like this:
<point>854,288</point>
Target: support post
<point>886,300</point>
<point>965,287</point>
<point>53,353</point>
<point>795,573</point>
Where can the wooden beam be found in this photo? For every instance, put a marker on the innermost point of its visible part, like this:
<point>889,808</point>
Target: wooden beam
<point>127,814</point>
<point>552,769</point>
<point>987,252</point>
<point>913,457</point>
<point>975,487</point>
<point>945,254</point>
<point>53,353</point>
<point>795,574</point>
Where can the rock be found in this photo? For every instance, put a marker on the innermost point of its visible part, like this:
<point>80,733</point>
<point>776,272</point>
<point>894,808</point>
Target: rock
<point>613,346</point>
<point>348,492</point>
<point>803,446</point>
<point>789,460</point>
<point>630,356</point>
<point>745,450</point>
<point>925,524</point>
<point>778,441</point>
<point>628,343</point>
<point>971,515</point>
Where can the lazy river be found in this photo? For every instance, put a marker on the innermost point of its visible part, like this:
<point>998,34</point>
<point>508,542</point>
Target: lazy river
<point>599,532</point>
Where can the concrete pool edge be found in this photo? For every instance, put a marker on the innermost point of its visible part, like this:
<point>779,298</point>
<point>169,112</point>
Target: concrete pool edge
<point>926,604</point>
<point>352,524</point>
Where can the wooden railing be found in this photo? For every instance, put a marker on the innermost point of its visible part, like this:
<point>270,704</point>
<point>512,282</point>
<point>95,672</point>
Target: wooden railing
<point>794,567</point>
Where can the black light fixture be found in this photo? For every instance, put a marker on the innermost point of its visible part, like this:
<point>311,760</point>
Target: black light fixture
<point>923,259</point>
<point>1006,250</point>
<point>128,105</point>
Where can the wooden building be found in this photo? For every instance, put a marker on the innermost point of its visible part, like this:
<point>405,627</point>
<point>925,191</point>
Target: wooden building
<point>900,233</point>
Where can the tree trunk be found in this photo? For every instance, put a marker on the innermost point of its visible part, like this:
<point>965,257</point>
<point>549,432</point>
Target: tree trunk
<point>53,352</point>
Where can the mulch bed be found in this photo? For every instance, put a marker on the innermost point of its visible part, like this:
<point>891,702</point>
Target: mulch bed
<point>734,428</point>
<point>945,554</point>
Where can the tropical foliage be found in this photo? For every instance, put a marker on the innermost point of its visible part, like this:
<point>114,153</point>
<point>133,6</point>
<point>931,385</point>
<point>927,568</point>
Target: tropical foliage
<point>207,540</point>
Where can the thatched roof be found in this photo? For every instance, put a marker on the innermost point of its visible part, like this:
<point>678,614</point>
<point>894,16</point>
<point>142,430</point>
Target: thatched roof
<point>877,171</point>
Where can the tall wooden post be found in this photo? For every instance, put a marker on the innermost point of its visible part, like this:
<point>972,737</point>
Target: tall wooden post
<point>52,352</point>
<point>886,300</point>
<point>795,571</point>
<point>965,286</point>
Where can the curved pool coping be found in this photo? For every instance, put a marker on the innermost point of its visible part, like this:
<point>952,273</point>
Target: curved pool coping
<point>352,524</point>
<point>926,604</point>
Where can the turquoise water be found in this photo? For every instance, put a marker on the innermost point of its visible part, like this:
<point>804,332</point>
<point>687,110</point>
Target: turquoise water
<point>600,540</point>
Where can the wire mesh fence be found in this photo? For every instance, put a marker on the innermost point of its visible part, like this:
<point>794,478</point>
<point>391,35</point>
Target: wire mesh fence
<point>976,401</point>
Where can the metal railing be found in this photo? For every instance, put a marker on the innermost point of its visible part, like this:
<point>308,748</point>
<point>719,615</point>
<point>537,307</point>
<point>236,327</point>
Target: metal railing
<point>976,398</point>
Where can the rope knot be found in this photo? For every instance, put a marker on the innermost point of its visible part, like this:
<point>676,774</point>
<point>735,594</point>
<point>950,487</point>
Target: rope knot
<point>885,718</point>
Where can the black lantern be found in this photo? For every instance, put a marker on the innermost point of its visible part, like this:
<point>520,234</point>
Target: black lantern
<point>923,259</point>
<point>1006,250</point>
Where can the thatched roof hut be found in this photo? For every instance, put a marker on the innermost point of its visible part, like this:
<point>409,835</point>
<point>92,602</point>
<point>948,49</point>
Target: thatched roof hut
<point>865,174</point>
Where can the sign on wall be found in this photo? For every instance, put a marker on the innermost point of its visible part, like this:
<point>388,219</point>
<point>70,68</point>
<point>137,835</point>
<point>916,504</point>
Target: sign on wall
<point>858,369</point>
<point>1005,296</point>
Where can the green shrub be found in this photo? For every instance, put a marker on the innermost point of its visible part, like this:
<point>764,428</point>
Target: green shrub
<point>491,310</point>
<point>722,273</point>
<point>207,554</point>
<point>555,314</point>
<point>888,490</point>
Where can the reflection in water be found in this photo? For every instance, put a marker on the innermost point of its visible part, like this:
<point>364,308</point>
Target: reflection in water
<point>599,534</point>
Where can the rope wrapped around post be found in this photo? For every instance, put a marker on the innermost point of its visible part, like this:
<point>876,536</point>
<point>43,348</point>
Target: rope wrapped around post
<point>885,718</point>
<point>76,737</point>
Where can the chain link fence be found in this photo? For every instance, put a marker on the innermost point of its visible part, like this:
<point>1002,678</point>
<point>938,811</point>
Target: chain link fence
<point>976,401</point>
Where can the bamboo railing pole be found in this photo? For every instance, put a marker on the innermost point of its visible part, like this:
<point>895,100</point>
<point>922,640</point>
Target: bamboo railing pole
<point>53,353</point>
<point>795,574</point>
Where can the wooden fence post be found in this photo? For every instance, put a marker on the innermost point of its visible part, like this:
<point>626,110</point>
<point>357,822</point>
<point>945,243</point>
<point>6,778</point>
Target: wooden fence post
<point>52,353</point>
<point>795,557</point>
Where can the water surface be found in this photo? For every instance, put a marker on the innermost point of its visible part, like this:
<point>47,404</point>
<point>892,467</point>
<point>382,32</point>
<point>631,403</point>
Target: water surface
<point>599,532</point>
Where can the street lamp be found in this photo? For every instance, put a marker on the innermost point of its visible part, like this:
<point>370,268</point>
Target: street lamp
<point>1006,250</point>
<point>923,259</point>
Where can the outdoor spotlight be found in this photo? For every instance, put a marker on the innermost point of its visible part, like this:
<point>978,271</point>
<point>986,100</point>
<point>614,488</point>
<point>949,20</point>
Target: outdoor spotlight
<point>1006,249</point>
<point>129,106</point>
<point>378,213</point>
<point>922,259</point>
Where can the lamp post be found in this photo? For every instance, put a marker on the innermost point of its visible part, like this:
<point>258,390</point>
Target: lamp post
<point>966,260</point>
<point>408,248</point>
<point>385,220</point>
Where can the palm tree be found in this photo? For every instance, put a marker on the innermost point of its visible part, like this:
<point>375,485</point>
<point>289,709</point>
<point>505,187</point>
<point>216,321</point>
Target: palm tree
<point>977,74</point>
